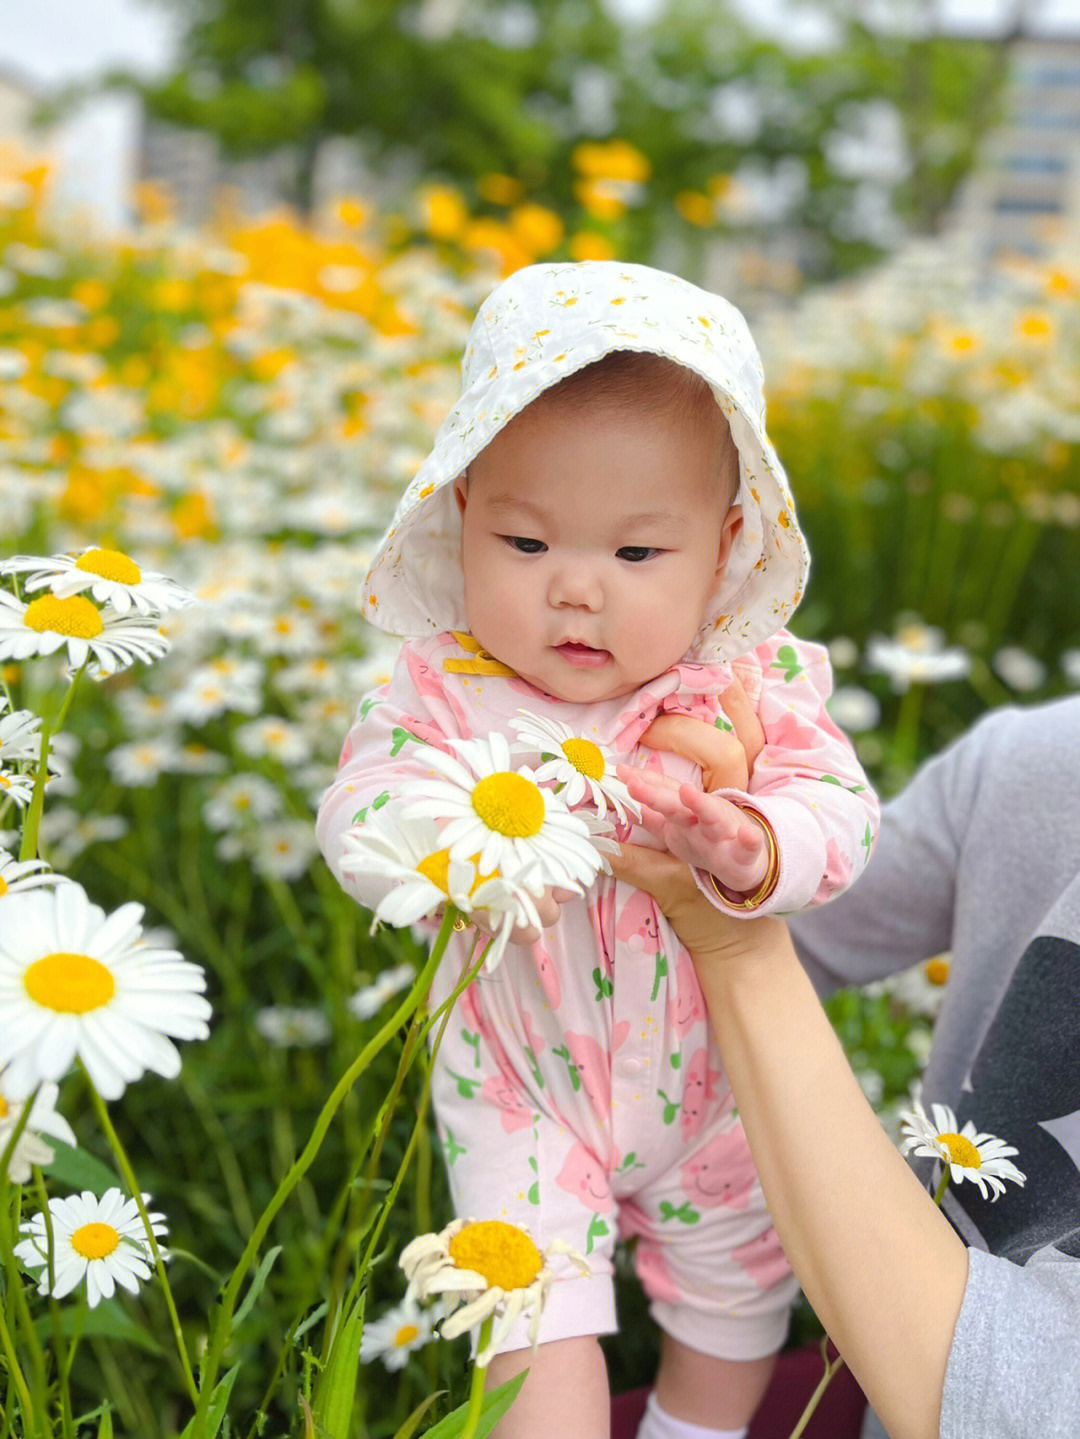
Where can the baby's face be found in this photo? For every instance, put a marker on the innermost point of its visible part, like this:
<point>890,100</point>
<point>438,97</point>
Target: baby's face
<point>555,548</point>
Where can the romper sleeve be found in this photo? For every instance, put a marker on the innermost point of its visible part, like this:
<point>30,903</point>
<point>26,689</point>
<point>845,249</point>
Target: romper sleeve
<point>807,784</point>
<point>394,726</point>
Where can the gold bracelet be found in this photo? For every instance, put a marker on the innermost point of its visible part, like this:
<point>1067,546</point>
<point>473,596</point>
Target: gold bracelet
<point>772,873</point>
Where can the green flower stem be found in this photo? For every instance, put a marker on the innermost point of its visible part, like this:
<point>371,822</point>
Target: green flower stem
<point>17,1377</point>
<point>906,730</point>
<point>60,1349</point>
<point>9,1228</point>
<point>476,1385</point>
<point>831,1368</point>
<point>303,1163</point>
<point>159,1264</point>
<point>939,1193</point>
<point>28,848</point>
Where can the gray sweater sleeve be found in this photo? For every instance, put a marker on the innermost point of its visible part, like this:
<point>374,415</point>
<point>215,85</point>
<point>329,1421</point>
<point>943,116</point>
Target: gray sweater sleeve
<point>1014,1365</point>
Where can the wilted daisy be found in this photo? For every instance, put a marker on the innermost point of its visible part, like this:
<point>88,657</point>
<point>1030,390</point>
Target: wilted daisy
<point>503,814</point>
<point>917,655</point>
<point>368,1001</point>
<point>19,874</point>
<point>411,853</point>
<point>100,1240</point>
<point>488,1268</point>
<point>30,1148</point>
<point>50,623</point>
<point>401,1330</point>
<point>112,578</point>
<point>77,982</point>
<point>571,760</point>
<point>968,1154</point>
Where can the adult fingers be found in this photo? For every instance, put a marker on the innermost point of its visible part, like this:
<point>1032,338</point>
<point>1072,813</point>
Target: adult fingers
<point>748,728</point>
<point>719,753</point>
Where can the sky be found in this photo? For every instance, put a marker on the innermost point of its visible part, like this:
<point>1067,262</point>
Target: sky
<point>54,42</point>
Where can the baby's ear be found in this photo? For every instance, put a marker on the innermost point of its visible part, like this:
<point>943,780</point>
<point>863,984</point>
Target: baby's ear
<point>461,491</point>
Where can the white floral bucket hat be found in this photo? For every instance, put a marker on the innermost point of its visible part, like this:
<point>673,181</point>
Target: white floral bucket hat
<point>536,328</point>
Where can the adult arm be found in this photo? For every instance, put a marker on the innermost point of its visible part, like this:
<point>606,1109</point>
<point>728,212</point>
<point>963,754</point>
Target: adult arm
<point>877,1260</point>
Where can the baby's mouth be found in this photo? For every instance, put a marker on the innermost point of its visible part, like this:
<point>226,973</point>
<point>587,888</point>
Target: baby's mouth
<point>582,654</point>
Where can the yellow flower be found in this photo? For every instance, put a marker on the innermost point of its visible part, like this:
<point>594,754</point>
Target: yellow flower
<point>695,207</point>
<point>487,1267</point>
<point>539,230</point>
<point>613,160</point>
<point>588,245</point>
<point>445,215</point>
<point>499,189</point>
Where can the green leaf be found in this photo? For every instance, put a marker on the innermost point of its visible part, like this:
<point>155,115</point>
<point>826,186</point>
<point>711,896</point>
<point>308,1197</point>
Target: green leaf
<point>408,1429</point>
<point>495,1404</point>
<point>105,1429</point>
<point>216,1410</point>
<point>257,1285</point>
<point>106,1321</point>
<point>80,1170</point>
<point>335,1390</point>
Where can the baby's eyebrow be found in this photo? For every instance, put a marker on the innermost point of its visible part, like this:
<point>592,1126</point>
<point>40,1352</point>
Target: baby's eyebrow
<point>503,504</point>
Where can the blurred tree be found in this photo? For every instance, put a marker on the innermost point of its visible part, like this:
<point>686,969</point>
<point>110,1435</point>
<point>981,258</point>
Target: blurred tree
<point>739,132</point>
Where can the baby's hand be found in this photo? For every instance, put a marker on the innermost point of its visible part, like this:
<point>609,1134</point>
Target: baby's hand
<point>548,907</point>
<point>704,830</point>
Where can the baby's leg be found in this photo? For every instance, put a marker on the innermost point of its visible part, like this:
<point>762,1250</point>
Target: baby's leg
<point>710,1393</point>
<point>566,1392</point>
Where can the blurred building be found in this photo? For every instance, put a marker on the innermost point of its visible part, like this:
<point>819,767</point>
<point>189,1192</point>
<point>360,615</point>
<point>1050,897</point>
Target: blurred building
<point>1024,192</point>
<point>19,99</point>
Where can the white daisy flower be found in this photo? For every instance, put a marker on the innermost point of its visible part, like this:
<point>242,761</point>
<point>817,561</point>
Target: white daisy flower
<point>853,708</point>
<point>241,799</point>
<point>920,989</point>
<point>917,655</point>
<point>1019,669</point>
<point>367,1002</point>
<point>18,874</point>
<point>65,834</point>
<point>503,814</point>
<point>412,854</point>
<point>50,623</point>
<point>112,578</point>
<point>19,788</point>
<point>30,1148</point>
<point>212,690</point>
<point>287,1026</point>
<point>274,738</point>
<point>488,1268</point>
<point>969,1155</point>
<point>100,1240</point>
<point>19,737</point>
<point>141,762</point>
<point>397,1334</point>
<point>579,767</point>
<point>77,982</point>
<point>285,848</point>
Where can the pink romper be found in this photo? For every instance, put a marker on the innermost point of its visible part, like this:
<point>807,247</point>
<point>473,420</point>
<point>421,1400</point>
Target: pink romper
<point>578,1089</point>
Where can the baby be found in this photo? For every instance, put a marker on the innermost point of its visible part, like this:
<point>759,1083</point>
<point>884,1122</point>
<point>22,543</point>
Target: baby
<point>603,535</point>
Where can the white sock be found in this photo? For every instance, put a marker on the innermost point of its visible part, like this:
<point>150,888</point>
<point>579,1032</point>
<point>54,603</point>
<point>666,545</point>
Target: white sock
<point>656,1424</point>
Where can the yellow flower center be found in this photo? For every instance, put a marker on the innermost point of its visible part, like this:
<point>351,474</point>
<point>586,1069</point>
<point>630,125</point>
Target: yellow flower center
<point>510,804</point>
<point>74,616</point>
<point>502,1253</point>
<point>110,565</point>
<point>936,970</point>
<point>3,887</point>
<point>436,868</point>
<point>586,757</point>
<point>405,1335</point>
<point>961,1150</point>
<point>4,1108</point>
<point>69,983</point>
<point>94,1241</point>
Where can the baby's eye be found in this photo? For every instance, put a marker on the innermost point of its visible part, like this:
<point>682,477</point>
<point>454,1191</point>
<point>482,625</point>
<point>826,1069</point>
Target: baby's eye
<point>514,541</point>
<point>637,553</point>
